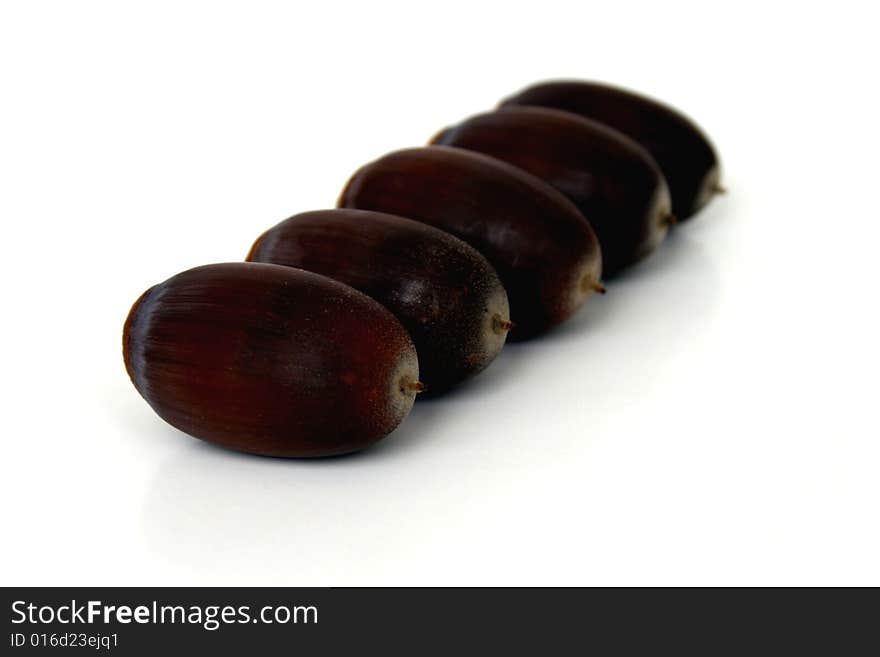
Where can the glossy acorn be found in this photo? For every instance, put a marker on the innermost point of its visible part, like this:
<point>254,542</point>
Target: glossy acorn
<point>612,180</point>
<point>270,360</point>
<point>442,290</point>
<point>544,250</point>
<point>682,150</point>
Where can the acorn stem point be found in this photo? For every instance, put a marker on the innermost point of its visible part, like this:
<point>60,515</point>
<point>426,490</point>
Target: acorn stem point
<point>408,385</point>
<point>501,325</point>
<point>669,219</point>
<point>590,283</point>
<point>718,188</point>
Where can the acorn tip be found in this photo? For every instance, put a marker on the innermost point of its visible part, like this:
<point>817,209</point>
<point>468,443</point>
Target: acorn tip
<point>501,325</point>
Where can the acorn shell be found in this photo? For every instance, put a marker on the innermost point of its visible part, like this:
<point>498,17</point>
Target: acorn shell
<point>270,360</point>
<point>542,247</point>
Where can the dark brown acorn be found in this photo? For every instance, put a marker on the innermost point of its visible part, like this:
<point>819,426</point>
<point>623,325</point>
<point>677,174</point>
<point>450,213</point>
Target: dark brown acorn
<point>441,289</point>
<point>684,153</point>
<point>270,360</point>
<point>542,247</point>
<point>612,180</point>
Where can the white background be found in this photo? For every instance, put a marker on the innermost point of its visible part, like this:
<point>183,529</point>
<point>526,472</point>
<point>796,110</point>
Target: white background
<point>712,420</point>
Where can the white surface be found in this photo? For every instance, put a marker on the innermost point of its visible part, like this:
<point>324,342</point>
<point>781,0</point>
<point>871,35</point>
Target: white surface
<point>711,421</point>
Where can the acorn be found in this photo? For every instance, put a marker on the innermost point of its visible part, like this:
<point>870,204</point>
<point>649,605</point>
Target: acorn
<point>612,180</point>
<point>544,250</point>
<point>680,147</point>
<point>446,295</point>
<point>270,360</point>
